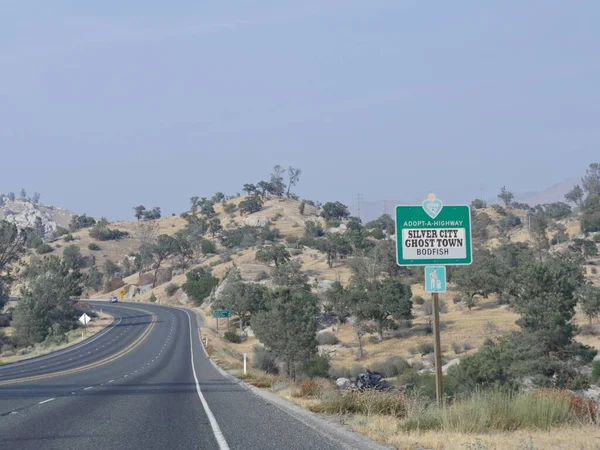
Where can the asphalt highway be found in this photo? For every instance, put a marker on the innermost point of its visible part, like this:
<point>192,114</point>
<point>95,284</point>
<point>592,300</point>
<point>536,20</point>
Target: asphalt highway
<point>142,383</point>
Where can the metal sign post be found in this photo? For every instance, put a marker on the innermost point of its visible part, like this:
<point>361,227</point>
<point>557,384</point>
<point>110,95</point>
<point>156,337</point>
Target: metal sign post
<point>435,236</point>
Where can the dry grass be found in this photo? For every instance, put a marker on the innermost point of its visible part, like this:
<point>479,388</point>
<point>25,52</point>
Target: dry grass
<point>385,429</point>
<point>73,337</point>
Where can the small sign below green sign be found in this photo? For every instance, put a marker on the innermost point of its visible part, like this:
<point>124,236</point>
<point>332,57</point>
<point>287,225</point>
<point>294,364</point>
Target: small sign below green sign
<point>221,313</point>
<point>433,234</point>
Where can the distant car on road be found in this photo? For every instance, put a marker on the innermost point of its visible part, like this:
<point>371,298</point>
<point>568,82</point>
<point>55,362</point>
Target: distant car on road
<point>113,300</point>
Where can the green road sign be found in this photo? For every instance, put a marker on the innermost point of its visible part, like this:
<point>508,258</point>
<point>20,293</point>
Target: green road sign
<point>221,313</point>
<point>433,234</point>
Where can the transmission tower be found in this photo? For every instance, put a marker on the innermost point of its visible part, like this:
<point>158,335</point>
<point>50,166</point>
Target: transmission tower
<point>359,198</point>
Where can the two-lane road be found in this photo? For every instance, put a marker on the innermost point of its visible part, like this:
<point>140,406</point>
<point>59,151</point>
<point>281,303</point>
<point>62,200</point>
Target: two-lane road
<point>144,382</point>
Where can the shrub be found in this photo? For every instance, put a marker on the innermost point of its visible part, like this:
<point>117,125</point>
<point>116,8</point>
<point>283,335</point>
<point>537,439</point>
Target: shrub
<point>327,338</point>
<point>418,300</point>
<point>262,275</point>
<point>391,367</point>
<point>356,370</point>
<point>367,403</point>
<point>208,247</point>
<point>113,284</point>
<point>457,299</point>
<point>264,360</point>
<point>68,238</point>
<point>338,372</point>
<point>314,387</point>
<point>467,346</point>
<point>171,288</point>
<point>42,249</point>
<point>495,410</point>
<point>596,238</point>
<point>318,366</point>
<point>94,247</point>
<point>232,336</point>
<point>594,271</point>
<point>457,348</point>
<point>412,351</point>
<point>595,371</point>
<point>103,233</point>
<point>425,348</point>
<point>152,298</point>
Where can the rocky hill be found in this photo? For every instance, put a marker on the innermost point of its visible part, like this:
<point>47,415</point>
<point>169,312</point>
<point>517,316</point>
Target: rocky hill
<point>24,212</point>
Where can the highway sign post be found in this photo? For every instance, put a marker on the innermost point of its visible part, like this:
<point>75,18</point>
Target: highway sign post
<point>84,319</point>
<point>435,236</point>
<point>221,314</point>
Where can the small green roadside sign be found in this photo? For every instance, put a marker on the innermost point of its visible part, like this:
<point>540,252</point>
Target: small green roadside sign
<point>433,234</point>
<point>221,313</point>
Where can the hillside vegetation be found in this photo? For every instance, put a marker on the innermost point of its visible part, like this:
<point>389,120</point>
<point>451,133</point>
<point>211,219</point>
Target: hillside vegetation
<point>317,295</point>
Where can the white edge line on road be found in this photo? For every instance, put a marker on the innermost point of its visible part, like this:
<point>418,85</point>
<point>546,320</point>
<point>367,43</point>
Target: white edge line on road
<point>88,388</point>
<point>46,401</point>
<point>211,418</point>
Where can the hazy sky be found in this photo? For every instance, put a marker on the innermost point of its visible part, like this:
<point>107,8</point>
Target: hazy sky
<point>108,104</point>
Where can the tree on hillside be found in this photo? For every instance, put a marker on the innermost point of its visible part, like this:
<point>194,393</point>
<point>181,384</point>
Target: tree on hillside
<point>46,307</point>
<point>249,189</point>
<point>334,246</point>
<point>276,184</point>
<point>557,210</point>
<point>199,284</point>
<point>250,205</point>
<point>11,196</point>
<point>590,218</point>
<point>275,253</point>
<point>385,223</point>
<point>575,195</point>
<point>36,198</point>
<point>194,231</point>
<point>583,247</point>
<point>194,204</point>
<point>263,187</point>
<point>478,204</point>
<point>479,226</point>
<point>539,232</point>
<point>588,296</point>
<point>293,178</point>
<point>38,228</point>
<point>290,275</point>
<point>12,246</point>
<point>382,301</point>
<point>335,210</point>
<point>241,298</point>
<point>214,226</point>
<point>78,222</point>
<point>484,277</point>
<point>111,269</point>
<point>152,214</point>
<point>165,247</point>
<point>72,257</point>
<point>506,196</point>
<point>218,197</point>
<point>287,327</point>
<point>139,212</point>
<point>591,181</point>
<point>23,194</point>
<point>206,208</point>
<point>93,279</point>
<point>183,247</point>
<point>147,235</point>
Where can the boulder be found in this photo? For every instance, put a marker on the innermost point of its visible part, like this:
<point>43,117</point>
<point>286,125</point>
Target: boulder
<point>343,383</point>
<point>256,221</point>
<point>454,362</point>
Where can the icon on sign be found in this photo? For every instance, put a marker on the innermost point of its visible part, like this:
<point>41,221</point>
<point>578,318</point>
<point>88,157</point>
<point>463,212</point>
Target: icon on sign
<point>435,279</point>
<point>432,206</point>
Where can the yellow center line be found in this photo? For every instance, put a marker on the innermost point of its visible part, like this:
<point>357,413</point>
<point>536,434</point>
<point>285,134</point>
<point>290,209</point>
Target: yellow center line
<point>111,358</point>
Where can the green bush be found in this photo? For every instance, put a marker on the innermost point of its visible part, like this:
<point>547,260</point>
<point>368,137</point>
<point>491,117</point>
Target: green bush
<point>68,238</point>
<point>103,233</point>
<point>152,298</point>
<point>262,275</point>
<point>171,288</point>
<point>418,300</point>
<point>596,238</point>
<point>391,367</point>
<point>318,366</point>
<point>356,370</point>
<point>94,247</point>
<point>208,247</point>
<point>43,249</point>
<point>232,336</point>
<point>457,348</point>
<point>327,338</point>
<point>425,348</point>
<point>338,372</point>
<point>595,371</point>
<point>264,360</point>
